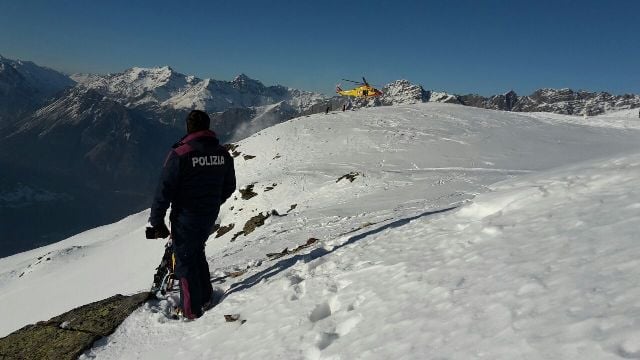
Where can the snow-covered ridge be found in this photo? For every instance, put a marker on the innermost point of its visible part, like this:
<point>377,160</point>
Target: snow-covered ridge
<point>167,88</point>
<point>43,79</point>
<point>78,104</point>
<point>559,101</point>
<point>567,101</point>
<point>24,86</point>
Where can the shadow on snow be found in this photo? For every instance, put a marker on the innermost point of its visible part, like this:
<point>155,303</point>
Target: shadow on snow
<point>284,264</point>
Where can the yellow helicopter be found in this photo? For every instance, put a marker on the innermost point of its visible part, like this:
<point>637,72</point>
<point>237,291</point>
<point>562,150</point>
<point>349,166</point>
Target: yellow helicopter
<point>364,90</point>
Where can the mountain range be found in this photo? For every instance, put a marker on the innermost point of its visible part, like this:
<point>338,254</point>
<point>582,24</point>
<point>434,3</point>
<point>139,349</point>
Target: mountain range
<point>91,146</point>
<point>558,101</point>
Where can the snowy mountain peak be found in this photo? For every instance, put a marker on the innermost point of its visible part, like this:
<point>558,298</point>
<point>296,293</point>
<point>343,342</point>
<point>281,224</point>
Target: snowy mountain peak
<point>557,94</point>
<point>25,86</point>
<point>159,72</point>
<point>154,77</point>
<point>244,82</point>
<point>403,92</point>
<point>241,78</point>
<point>42,79</point>
<point>137,86</point>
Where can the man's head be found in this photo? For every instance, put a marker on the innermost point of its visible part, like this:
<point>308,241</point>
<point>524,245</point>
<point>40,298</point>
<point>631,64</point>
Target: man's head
<point>197,121</point>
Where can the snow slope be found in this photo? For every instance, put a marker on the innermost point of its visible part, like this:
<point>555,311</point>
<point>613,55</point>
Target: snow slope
<point>542,264</point>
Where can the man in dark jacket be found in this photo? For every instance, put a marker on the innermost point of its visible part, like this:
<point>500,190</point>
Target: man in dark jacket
<point>197,177</point>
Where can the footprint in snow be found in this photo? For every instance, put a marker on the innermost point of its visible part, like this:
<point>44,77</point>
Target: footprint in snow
<point>325,339</point>
<point>324,309</point>
<point>356,303</point>
<point>298,285</point>
<point>629,348</point>
<point>321,311</point>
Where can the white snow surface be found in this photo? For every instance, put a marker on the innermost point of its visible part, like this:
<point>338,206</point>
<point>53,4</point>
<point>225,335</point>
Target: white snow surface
<point>539,259</point>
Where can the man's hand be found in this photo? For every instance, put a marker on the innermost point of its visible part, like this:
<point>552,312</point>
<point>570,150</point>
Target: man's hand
<point>155,232</point>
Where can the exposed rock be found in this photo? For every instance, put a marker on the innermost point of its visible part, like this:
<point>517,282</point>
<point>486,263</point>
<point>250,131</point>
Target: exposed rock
<point>247,193</point>
<point>68,335</point>
<point>350,176</point>
<point>231,318</point>
<point>231,147</point>
<point>236,235</point>
<point>251,225</point>
<point>224,229</point>
<point>275,212</point>
<point>273,256</point>
<point>234,318</point>
<point>254,222</point>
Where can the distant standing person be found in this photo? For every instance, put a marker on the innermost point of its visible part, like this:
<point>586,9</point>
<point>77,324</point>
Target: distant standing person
<point>197,177</point>
<point>327,110</point>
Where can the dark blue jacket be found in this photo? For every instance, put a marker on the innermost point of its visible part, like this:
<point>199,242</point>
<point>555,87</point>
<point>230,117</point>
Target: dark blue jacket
<point>197,177</point>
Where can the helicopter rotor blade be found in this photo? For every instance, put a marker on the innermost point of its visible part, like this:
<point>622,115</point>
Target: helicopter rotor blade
<point>357,82</point>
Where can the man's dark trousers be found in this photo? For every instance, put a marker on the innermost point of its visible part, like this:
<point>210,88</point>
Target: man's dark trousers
<point>192,270</point>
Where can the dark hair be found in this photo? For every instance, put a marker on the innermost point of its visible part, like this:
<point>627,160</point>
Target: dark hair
<point>197,120</point>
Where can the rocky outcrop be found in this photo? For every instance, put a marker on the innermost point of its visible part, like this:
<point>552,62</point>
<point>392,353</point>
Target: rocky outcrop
<point>403,92</point>
<point>68,335</point>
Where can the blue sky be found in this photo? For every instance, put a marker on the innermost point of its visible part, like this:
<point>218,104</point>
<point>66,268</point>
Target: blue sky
<point>463,46</point>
